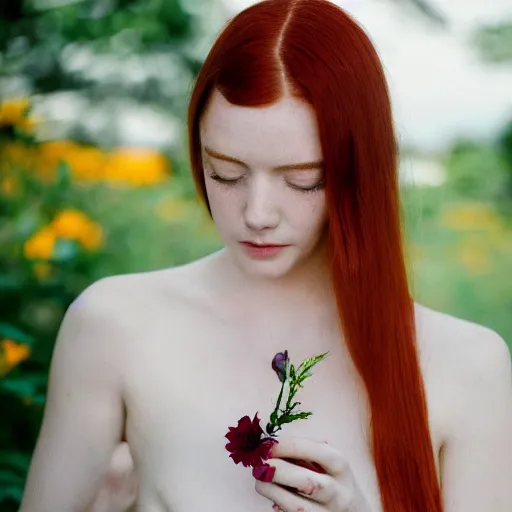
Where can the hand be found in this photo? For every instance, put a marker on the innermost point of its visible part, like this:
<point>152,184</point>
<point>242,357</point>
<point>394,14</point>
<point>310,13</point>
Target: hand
<point>295,488</point>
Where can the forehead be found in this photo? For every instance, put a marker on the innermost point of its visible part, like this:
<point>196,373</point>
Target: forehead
<point>283,133</point>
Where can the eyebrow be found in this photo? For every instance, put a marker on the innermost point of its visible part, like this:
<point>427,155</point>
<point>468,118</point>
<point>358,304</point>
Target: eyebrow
<point>288,167</point>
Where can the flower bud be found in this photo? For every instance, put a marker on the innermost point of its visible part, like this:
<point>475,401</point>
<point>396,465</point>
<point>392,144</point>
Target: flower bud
<point>279,364</point>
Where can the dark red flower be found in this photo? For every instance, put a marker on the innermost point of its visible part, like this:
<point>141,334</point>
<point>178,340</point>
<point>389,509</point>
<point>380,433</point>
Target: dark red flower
<point>246,444</point>
<point>279,364</point>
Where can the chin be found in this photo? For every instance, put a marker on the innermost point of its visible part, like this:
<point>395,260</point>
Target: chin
<point>265,268</point>
<point>269,270</point>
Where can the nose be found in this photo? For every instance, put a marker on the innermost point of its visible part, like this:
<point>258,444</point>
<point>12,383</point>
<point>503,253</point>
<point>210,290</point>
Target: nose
<point>261,209</point>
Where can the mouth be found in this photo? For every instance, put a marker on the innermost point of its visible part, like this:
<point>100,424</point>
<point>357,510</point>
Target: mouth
<point>262,246</point>
<point>262,251</point>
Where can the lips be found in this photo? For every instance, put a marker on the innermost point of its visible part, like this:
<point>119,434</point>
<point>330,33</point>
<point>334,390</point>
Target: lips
<point>258,251</point>
<point>252,244</point>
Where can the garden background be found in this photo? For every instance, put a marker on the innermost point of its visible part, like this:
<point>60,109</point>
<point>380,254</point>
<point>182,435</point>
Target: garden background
<point>77,202</point>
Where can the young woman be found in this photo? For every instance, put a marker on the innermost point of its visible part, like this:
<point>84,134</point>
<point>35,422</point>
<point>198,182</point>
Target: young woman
<point>294,154</point>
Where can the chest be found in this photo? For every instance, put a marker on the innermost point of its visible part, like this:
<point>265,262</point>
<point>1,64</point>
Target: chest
<point>179,413</point>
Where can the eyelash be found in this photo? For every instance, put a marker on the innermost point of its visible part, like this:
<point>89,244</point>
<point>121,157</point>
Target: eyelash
<point>231,183</point>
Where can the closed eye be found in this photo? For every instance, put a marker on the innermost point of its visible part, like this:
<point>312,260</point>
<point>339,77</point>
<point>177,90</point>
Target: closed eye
<point>216,177</point>
<point>234,181</point>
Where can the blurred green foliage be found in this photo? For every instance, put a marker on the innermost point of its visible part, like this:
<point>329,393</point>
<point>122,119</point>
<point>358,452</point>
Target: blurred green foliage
<point>34,36</point>
<point>494,42</point>
<point>58,234</point>
<point>460,236</point>
<point>76,210</point>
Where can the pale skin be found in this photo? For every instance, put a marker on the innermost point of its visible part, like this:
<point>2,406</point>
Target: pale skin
<point>176,356</point>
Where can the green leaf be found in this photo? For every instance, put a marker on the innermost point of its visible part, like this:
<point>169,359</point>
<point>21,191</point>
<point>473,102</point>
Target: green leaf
<point>12,332</point>
<point>493,41</point>
<point>11,485</point>
<point>288,418</point>
<point>9,282</point>
<point>25,386</point>
<point>308,363</point>
<point>8,477</point>
<point>12,462</point>
<point>63,175</point>
<point>12,492</point>
<point>65,250</point>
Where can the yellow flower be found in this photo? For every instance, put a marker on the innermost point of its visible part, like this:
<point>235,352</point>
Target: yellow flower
<point>92,237</point>
<point>19,156</point>
<point>75,225</point>
<point>41,244</point>
<point>471,216</point>
<point>133,166</point>
<point>474,254</point>
<point>13,353</point>
<point>14,112</point>
<point>70,224</point>
<point>9,186</point>
<point>136,166</point>
<point>86,162</point>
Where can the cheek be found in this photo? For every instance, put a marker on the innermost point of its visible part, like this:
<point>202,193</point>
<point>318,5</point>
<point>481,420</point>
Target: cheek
<point>224,204</point>
<point>310,214</point>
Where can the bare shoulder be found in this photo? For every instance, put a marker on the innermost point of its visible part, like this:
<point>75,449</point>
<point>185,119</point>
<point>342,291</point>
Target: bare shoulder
<point>466,364</point>
<point>465,347</point>
<point>97,326</point>
<point>468,375</point>
<point>137,299</point>
<point>138,292</point>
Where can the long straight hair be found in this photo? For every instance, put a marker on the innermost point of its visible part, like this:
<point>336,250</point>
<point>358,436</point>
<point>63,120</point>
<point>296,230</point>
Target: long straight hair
<point>313,50</point>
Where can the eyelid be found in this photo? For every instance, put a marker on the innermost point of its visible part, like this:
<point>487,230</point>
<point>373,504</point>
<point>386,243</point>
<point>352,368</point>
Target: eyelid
<point>233,181</point>
<point>289,173</point>
<point>307,173</point>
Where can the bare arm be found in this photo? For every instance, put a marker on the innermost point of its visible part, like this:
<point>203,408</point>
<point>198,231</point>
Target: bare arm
<point>84,415</point>
<point>477,460</point>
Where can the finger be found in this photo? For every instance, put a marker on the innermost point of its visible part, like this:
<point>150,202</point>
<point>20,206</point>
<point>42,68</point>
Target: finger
<point>313,451</point>
<point>315,486</point>
<point>286,500</point>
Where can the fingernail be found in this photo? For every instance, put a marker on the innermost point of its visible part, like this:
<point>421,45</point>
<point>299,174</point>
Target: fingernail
<point>264,472</point>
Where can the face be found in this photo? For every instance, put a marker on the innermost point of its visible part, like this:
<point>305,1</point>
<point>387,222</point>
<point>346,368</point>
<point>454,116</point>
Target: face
<point>264,180</point>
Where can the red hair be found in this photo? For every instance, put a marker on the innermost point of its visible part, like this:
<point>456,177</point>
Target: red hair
<point>313,50</point>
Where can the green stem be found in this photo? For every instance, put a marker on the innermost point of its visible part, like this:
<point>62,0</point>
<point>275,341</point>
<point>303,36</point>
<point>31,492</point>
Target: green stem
<point>291,394</point>
<point>276,410</point>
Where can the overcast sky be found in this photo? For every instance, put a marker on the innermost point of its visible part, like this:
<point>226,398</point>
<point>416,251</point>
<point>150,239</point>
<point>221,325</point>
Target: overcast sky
<point>440,90</point>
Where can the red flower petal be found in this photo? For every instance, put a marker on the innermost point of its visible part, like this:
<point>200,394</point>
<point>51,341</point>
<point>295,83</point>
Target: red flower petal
<point>265,448</point>
<point>245,442</point>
